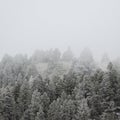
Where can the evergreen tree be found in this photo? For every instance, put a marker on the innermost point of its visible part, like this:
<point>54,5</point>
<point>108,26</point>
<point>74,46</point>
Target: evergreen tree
<point>45,101</point>
<point>83,111</point>
<point>24,97</point>
<point>55,110</point>
<point>9,106</point>
<point>39,84</point>
<point>40,114</point>
<point>68,55</point>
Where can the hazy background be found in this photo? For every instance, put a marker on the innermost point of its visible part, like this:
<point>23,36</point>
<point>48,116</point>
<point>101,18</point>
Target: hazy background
<point>27,25</point>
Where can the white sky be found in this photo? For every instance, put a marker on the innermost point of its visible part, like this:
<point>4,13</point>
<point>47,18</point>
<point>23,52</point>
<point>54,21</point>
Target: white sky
<point>27,25</point>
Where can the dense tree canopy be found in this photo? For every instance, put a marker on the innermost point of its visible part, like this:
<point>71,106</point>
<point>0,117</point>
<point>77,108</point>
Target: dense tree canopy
<point>52,86</point>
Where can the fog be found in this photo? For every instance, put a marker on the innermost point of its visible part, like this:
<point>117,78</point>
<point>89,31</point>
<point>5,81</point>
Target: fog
<point>27,25</point>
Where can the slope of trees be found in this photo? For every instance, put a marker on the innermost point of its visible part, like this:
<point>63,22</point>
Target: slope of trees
<point>83,91</point>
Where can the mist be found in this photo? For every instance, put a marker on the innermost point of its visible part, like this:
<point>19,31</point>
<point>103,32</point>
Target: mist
<point>59,60</point>
<point>27,25</point>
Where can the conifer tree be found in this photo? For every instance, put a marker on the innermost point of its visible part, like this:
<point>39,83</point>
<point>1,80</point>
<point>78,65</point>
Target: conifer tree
<point>40,114</point>
<point>9,106</point>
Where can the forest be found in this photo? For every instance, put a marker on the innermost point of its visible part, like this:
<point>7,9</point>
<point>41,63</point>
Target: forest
<point>50,85</point>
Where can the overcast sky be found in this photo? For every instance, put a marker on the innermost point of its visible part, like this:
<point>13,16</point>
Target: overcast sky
<point>27,25</point>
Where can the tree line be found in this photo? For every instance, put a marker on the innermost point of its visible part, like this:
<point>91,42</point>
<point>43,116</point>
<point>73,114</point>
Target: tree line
<point>68,88</point>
